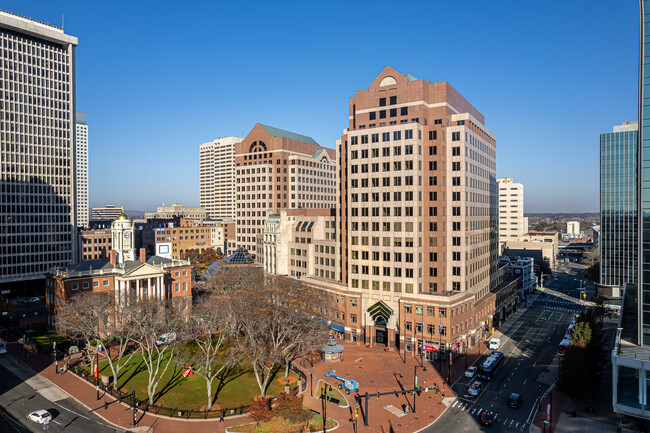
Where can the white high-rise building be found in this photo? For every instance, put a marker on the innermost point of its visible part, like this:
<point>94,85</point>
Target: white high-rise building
<point>512,223</point>
<point>82,169</point>
<point>573,227</point>
<point>217,177</point>
<point>38,212</point>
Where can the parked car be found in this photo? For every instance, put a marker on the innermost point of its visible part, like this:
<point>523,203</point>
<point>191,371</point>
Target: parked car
<point>166,338</point>
<point>514,401</point>
<point>32,299</point>
<point>40,416</point>
<point>475,388</point>
<point>494,344</point>
<point>485,417</point>
<point>471,372</point>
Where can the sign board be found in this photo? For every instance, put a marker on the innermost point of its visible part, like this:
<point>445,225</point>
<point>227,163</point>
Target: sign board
<point>428,348</point>
<point>548,411</point>
<point>5,292</point>
<point>95,372</point>
<point>164,249</point>
<point>188,371</point>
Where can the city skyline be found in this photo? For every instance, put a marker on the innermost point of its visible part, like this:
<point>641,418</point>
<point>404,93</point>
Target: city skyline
<point>215,77</point>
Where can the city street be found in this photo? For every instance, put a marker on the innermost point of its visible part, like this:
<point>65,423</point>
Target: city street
<point>529,346</point>
<point>19,397</point>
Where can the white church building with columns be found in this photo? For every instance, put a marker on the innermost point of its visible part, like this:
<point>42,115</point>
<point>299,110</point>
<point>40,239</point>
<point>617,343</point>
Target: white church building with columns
<point>128,274</point>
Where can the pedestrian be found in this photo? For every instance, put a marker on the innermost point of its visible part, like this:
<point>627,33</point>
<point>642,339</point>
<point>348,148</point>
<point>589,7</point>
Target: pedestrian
<point>221,417</point>
<point>61,370</point>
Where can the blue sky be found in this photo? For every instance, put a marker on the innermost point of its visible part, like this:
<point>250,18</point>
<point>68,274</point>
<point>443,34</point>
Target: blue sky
<point>157,79</point>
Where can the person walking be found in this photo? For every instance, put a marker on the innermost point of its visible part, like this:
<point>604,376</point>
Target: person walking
<point>221,417</point>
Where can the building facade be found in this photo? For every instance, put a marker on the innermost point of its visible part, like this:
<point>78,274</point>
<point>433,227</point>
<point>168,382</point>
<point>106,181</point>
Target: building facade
<point>217,177</point>
<point>511,210</point>
<point>618,205</point>
<point>277,169</point>
<point>38,210</point>
<point>301,242</point>
<point>127,274</point>
<point>419,212</point>
<point>95,244</point>
<point>177,210</point>
<point>191,234</point>
<point>541,246</point>
<point>573,227</point>
<point>82,169</point>
<point>108,212</point>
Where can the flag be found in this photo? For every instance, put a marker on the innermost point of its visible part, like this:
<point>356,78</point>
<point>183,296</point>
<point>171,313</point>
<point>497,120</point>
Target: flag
<point>440,326</point>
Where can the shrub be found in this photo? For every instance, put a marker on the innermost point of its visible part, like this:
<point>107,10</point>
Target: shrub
<point>289,406</point>
<point>260,410</point>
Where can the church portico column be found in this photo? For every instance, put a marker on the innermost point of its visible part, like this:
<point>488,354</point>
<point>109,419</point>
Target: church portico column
<point>138,292</point>
<point>149,287</point>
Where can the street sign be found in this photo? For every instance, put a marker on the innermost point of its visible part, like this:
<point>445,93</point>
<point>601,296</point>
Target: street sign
<point>188,371</point>
<point>428,348</point>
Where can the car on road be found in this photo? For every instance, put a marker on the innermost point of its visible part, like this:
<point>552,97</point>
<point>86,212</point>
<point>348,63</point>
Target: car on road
<point>32,299</point>
<point>166,338</point>
<point>475,388</point>
<point>514,401</point>
<point>485,417</point>
<point>471,372</point>
<point>40,416</point>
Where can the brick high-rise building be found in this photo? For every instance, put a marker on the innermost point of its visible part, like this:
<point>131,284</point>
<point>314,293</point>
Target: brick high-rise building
<point>277,169</point>
<point>38,212</point>
<point>419,213</point>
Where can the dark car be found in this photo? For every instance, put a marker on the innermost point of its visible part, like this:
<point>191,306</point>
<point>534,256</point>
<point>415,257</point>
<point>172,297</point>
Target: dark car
<point>514,401</point>
<point>485,417</point>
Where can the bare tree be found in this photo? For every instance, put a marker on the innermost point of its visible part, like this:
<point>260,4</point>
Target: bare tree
<point>81,317</point>
<point>210,330</point>
<point>275,318</point>
<point>152,319</point>
<point>118,331</point>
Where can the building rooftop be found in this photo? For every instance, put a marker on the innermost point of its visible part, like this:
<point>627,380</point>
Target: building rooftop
<point>277,132</point>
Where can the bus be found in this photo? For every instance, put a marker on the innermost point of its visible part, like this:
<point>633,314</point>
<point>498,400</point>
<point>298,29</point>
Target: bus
<point>490,366</point>
<point>563,346</point>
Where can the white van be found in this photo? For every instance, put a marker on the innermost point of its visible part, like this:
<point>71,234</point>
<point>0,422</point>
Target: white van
<point>495,343</point>
<point>166,339</point>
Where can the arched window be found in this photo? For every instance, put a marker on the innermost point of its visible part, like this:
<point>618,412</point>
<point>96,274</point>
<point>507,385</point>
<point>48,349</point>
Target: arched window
<point>257,146</point>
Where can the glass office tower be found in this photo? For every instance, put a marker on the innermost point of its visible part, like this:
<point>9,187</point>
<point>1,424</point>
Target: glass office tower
<point>618,201</point>
<point>644,176</point>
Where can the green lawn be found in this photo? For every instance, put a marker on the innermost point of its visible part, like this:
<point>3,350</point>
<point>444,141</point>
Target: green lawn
<point>233,389</point>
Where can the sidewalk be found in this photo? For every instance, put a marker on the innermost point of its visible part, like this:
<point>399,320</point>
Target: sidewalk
<point>117,414</point>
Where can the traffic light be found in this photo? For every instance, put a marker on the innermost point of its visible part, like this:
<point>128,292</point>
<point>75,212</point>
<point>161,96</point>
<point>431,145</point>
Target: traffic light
<point>105,405</point>
<point>377,394</point>
<point>356,412</point>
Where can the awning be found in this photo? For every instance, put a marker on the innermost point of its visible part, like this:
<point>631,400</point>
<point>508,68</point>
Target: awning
<point>339,328</point>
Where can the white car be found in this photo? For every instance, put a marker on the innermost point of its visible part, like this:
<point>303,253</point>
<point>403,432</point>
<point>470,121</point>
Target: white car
<point>40,416</point>
<point>471,372</point>
<point>166,338</point>
<point>475,388</point>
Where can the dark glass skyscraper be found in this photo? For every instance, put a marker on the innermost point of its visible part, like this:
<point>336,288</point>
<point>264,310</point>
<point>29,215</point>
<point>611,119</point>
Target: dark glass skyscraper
<point>618,205</point>
<point>643,178</point>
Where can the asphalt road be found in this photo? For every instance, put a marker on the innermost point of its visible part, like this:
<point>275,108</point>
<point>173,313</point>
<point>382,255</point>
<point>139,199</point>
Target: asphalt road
<point>18,398</point>
<point>529,347</point>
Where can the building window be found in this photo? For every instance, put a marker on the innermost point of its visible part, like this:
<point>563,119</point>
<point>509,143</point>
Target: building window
<point>105,282</point>
<point>86,285</point>
<point>442,312</point>
<point>393,100</point>
<point>404,111</point>
<point>373,115</point>
<point>408,309</point>
<point>95,283</point>
<point>353,318</point>
<point>185,286</point>
<point>178,287</point>
<point>382,102</point>
<point>75,286</point>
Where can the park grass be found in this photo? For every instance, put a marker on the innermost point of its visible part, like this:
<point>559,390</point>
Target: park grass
<point>233,388</point>
<point>333,395</point>
<point>281,425</point>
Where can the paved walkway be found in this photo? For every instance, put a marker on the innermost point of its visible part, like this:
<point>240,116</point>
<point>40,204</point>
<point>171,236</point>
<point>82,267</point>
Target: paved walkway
<point>374,368</point>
